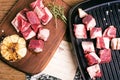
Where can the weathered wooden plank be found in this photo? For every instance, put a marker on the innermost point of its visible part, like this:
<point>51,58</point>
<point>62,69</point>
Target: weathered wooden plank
<point>6,72</point>
<point>5,6</point>
<point>72,2</point>
<point>7,1</point>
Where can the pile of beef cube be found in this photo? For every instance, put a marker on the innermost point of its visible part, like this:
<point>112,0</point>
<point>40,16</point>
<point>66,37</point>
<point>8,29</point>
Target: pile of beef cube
<point>104,42</point>
<point>30,23</point>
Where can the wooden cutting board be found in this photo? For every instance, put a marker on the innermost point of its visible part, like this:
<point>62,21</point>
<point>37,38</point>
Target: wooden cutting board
<point>72,2</point>
<point>34,63</point>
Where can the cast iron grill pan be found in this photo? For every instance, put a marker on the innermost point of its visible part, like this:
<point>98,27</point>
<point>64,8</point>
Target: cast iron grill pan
<point>106,13</point>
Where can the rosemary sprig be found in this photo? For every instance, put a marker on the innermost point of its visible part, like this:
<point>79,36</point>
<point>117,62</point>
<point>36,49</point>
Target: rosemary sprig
<point>58,12</point>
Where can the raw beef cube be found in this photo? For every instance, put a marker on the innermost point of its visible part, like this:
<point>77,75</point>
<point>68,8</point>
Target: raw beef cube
<point>32,17</point>
<point>95,32</point>
<point>94,71</point>
<point>115,44</point>
<point>110,32</point>
<point>38,3</point>
<point>89,21</point>
<point>43,34</point>
<point>92,58</point>
<point>28,34</point>
<point>82,13</point>
<point>36,27</point>
<point>47,17</point>
<point>40,12</point>
<point>88,47</point>
<point>24,11</point>
<point>19,20</point>
<point>118,43</point>
<point>103,42</point>
<point>105,55</point>
<point>16,22</point>
<point>36,45</point>
<point>80,31</point>
<point>24,26</point>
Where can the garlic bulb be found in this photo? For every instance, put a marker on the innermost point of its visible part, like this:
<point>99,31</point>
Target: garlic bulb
<point>13,48</point>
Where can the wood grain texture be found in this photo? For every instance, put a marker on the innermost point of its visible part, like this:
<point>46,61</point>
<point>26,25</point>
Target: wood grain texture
<point>5,6</point>
<point>72,2</point>
<point>6,72</point>
<point>34,63</point>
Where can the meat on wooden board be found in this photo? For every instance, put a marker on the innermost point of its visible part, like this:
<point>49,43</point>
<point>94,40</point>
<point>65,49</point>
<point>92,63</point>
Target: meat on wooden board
<point>24,26</point>
<point>16,22</point>
<point>40,12</point>
<point>47,17</point>
<point>36,45</point>
<point>28,34</point>
<point>36,27</point>
<point>38,3</point>
<point>29,22</point>
<point>43,34</point>
<point>32,17</point>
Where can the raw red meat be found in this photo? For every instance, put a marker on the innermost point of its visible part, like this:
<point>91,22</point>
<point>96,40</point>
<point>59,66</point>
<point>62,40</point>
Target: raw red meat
<point>96,32</point>
<point>103,42</point>
<point>88,47</point>
<point>24,26</point>
<point>23,12</point>
<point>92,58</point>
<point>28,34</point>
<point>32,17</point>
<point>110,32</point>
<point>82,13</point>
<point>38,3</point>
<point>36,27</point>
<point>36,45</point>
<point>20,21</point>
<point>40,12</point>
<point>80,31</point>
<point>115,44</point>
<point>94,71</point>
<point>17,21</point>
<point>47,17</point>
<point>43,34</point>
<point>118,43</point>
<point>89,21</point>
<point>105,55</point>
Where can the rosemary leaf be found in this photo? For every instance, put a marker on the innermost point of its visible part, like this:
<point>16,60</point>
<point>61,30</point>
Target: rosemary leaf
<point>58,12</point>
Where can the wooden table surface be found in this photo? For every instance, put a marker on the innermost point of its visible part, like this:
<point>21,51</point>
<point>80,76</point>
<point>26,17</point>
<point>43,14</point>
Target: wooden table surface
<point>6,72</point>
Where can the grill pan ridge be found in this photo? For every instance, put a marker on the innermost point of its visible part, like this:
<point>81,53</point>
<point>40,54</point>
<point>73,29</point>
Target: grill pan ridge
<point>106,13</point>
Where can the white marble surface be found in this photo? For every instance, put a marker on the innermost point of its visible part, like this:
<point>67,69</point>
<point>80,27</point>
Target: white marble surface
<point>63,64</point>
